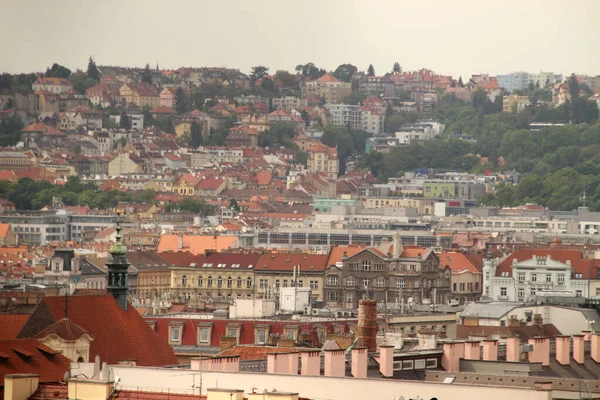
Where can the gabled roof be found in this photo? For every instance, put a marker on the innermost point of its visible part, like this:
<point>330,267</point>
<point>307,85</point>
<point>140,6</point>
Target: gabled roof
<point>457,262</point>
<point>64,329</point>
<point>118,334</point>
<point>209,184</point>
<point>581,266</point>
<point>337,252</point>
<point>28,356</point>
<point>328,78</point>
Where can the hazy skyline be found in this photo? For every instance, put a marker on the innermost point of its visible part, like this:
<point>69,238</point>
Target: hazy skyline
<point>460,38</point>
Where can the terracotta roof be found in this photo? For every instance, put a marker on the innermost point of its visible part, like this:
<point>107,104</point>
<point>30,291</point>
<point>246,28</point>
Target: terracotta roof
<point>53,81</point>
<point>578,263</point>
<point>263,178</point>
<point>118,334</point>
<point>248,353</point>
<point>328,78</point>
<point>64,329</point>
<point>10,325</point>
<point>247,262</point>
<point>162,110</point>
<point>28,356</point>
<point>337,252</point>
<point>287,261</point>
<point>197,244</point>
<point>457,262</point>
<point>209,184</point>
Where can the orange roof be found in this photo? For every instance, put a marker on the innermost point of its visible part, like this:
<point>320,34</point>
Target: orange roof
<point>10,325</point>
<point>162,110</point>
<point>230,226</point>
<point>4,230</point>
<point>28,356</point>
<point>210,184</point>
<point>337,252</point>
<point>457,262</point>
<point>263,178</point>
<point>287,261</point>
<point>197,244</point>
<point>328,78</point>
<point>64,329</point>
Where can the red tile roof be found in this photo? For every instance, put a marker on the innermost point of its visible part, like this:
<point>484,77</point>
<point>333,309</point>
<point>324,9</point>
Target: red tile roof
<point>28,356</point>
<point>10,326</point>
<point>457,262</point>
<point>578,263</point>
<point>118,334</point>
<point>287,261</point>
<point>64,329</point>
<point>209,184</point>
<point>337,252</point>
<point>328,78</point>
<point>197,244</point>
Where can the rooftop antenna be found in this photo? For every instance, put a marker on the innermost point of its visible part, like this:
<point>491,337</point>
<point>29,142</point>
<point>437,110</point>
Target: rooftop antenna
<point>583,198</point>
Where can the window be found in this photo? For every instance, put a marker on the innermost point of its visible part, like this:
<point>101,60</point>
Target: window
<point>183,280</point>
<point>260,336</point>
<point>379,267</point>
<point>521,294</point>
<point>332,280</point>
<point>209,281</point>
<point>561,279</point>
<point>175,334</point>
<point>199,281</point>
<point>277,283</point>
<point>285,283</point>
<point>204,334</point>
<point>366,265</point>
<point>353,267</point>
<point>533,277</point>
<point>314,285</point>
<point>578,276</point>
<point>249,283</point>
<point>366,283</point>
<point>578,293</point>
<point>349,297</point>
<point>400,283</point>
<point>350,281</point>
<point>219,281</point>
<point>503,292</point>
<point>549,278</point>
<point>533,290</point>
<point>239,282</point>
<point>332,296</point>
<point>521,276</point>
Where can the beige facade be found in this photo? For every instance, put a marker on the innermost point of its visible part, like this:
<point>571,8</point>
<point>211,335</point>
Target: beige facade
<point>465,286</point>
<point>514,103</point>
<point>324,159</point>
<point>123,164</point>
<point>75,350</point>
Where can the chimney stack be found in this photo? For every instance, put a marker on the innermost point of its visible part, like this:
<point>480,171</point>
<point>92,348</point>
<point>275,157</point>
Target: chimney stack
<point>490,350</point>
<point>453,352</point>
<point>513,349</point>
<point>311,363</point>
<point>472,350</point>
<point>563,350</point>
<point>386,361</point>
<point>398,249</point>
<point>180,242</point>
<point>359,362</point>
<point>335,362</point>
<point>595,348</point>
<point>541,350</point>
<point>366,330</point>
<point>578,348</point>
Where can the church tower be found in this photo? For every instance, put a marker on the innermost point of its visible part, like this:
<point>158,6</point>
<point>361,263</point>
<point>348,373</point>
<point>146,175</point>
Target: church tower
<point>117,268</point>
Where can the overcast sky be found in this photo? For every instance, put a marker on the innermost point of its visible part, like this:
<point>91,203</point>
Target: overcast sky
<point>459,37</point>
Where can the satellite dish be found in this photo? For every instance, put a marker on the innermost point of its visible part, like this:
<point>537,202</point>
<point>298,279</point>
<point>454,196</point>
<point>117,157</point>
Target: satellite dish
<point>67,376</point>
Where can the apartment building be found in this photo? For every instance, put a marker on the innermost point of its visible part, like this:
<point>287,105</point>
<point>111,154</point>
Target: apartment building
<point>325,159</point>
<point>368,119</point>
<point>514,103</point>
<point>328,87</point>
<point>289,103</point>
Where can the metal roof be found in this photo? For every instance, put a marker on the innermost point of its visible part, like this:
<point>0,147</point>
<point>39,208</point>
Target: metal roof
<point>494,309</point>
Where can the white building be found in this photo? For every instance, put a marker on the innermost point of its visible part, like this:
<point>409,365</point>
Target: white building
<point>514,280</point>
<point>289,103</point>
<point>357,117</point>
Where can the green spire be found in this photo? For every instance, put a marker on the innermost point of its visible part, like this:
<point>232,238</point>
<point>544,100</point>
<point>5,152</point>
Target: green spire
<point>118,249</point>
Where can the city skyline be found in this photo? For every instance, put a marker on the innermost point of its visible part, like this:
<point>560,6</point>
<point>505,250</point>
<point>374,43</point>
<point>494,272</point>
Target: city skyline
<point>458,39</point>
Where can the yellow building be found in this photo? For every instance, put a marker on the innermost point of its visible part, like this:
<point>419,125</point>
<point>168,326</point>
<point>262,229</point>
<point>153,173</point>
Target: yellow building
<point>183,128</point>
<point>322,158</point>
<point>514,104</point>
<point>140,95</point>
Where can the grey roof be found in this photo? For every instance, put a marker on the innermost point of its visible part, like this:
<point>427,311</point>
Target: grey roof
<point>87,268</point>
<point>494,309</point>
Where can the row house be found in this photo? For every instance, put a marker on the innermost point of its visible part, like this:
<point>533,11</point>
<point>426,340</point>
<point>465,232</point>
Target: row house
<point>322,158</point>
<point>281,270</point>
<point>90,165</point>
<point>167,97</point>
<point>190,185</point>
<point>212,275</point>
<point>103,94</point>
<point>403,275</point>
<point>289,103</point>
<point>369,119</point>
<point>375,85</point>
<point>141,95</point>
<point>528,273</point>
<point>466,283</point>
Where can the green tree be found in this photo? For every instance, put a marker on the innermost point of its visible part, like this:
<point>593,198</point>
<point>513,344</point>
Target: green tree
<point>397,68</point>
<point>147,74</point>
<point>460,82</point>
<point>180,101</point>
<point>354,98</point>
<point>81,82</point>
<point>57,71</point>
<point>310,70</point>
<point>287,80</point>
<point>92,70</point>
<point>195,135</point>
<point>258,72</point>
<point>345,72</point>
<point>124,122</point>
<point>233,204</point>
<point>371,70</point>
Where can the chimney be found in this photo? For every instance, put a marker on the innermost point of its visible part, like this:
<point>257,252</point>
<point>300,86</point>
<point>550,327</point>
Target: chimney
<point>89,388</point>
<point>366,330</point>
<point>282,363</point>
<point>472,350</point>
<point>96,367</point>
<point>578,349</point>
<point>201,364</point>
<point>427,340</point>
<point>541,350</point>
<point>20,386</point>
<point>225,364</point>
<point>227,342</point>
<point>490,350</point>
<point>398,249</point>
<point>335,362</point>
<point>386,361</point>
<point>311,363</point>
<point>595,350</point>
<point>587,335</point>
<point>180,242</point>
<point>453,352</point>
<point>359,362</point>
<point>513,350</point>
<point>563,350</point>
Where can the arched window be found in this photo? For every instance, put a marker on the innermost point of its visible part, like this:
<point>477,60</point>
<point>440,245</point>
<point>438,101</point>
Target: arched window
<point>239,282</point>
<point>219,282</point>
<point>249,283</point>
<point>350,281</point>
<point>199,281</point>
<point>229,282</point>
<point>209,281</point>
<point>184,280</point>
